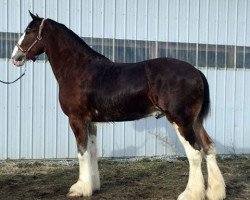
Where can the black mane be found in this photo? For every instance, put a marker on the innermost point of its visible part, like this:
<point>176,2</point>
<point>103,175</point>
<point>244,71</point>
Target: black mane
<point>74,38</point>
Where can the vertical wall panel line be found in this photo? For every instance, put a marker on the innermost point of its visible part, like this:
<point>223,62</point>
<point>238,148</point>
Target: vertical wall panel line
<point>188,21</point>
<point>69,7</point>
<point>225,74</point>
<point>136,23</point>
<point>114,31</point>
<point>136,18</point>
<point>216,77</point>
<point>178,29</point>
<point>44,98</point>
<point>226,34</point>
<point>245,35</point>
<point>208,9</point>
<point>136,13</point>
<point>32,102</point>
<point>234,71</point>
<point>56,103</point>
<point>216,38</point>
<point>7,94</point>
<point>167,32</point>
<point>20,96</point>
<point>156,54</point>
<point>243,110</point>
<point>147,54</point>
<point>198,28</point>
<point>103,23</point>
<point>244,78</point>
<point>236,36</point>
<point>56,100</point>
<point>125,35</point>
<point>92,20</point>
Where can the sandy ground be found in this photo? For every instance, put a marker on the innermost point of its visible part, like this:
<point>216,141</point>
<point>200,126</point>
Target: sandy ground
<point>142,179</point>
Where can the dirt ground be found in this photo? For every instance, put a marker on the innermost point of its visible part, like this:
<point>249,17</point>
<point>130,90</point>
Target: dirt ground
<point>143,179</point>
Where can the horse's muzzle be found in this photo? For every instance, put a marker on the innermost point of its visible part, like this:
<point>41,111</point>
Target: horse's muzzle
<point>18,59</point>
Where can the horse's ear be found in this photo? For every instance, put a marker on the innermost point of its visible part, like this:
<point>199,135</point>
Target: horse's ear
<point>33,16</point>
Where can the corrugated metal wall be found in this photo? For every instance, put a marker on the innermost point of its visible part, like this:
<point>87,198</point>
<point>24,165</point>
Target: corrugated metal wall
<point>211,34</point>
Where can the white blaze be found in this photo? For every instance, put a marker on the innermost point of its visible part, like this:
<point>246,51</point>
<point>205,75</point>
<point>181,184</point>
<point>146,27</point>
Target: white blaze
<point>16,48</point>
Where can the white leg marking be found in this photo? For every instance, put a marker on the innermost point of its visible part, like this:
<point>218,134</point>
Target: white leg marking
<point>19,42</point>
<point>216,185</point>
<point>195,189</point>
<point>94,163</point>
<point>84,186</point>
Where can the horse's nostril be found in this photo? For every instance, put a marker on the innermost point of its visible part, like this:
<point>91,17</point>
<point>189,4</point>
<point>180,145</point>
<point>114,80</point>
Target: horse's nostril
<point>18,57</point>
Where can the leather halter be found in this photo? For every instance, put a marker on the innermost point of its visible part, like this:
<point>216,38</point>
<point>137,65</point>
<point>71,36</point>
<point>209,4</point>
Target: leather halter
<point>38,38</point>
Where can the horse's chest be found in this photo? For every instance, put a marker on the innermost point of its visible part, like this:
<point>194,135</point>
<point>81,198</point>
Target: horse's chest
<point>71,99</point>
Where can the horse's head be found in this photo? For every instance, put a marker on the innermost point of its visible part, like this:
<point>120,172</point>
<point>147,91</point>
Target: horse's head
<point>30,45</point>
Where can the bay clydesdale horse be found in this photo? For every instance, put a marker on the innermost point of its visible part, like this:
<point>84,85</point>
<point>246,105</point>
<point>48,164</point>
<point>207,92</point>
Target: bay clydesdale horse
<point>94,89</point>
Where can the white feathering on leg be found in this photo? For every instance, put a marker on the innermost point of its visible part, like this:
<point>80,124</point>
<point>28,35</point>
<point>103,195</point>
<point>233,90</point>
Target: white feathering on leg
<point>195,189</point>
<point>216,184</point>
<point>84,186</point>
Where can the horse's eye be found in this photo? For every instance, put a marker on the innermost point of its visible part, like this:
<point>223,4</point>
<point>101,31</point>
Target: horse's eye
<point>28,30</point>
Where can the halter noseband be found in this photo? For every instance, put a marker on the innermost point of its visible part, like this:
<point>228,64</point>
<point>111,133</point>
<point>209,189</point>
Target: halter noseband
<point>38,38</point>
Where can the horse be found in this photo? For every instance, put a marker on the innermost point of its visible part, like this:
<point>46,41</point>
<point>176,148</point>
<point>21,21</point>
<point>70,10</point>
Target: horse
<point>94,89</point>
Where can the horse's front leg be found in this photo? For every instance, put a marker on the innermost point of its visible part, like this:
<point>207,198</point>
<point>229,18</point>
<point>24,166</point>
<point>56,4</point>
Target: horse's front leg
<point>89,179</point>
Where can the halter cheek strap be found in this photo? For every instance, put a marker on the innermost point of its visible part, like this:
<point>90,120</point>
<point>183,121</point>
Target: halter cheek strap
<point>38,38</point>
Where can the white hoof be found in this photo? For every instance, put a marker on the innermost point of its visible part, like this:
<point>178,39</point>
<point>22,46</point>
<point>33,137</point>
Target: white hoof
<point>190,195</point>
<point>216,192</point>
<point>80,189</point>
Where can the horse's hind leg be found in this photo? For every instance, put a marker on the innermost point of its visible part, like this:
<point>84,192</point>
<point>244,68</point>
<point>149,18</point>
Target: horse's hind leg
<point>216,184</point>
<point>195,189</point>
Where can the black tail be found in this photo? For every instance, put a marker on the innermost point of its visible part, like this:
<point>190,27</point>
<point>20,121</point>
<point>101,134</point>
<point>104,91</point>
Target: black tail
<point>206,99</point>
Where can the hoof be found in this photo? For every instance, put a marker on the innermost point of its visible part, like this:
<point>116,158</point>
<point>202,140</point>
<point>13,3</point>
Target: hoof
<point>190,195</point>
<point>216,193</point>
<point>80,189</point>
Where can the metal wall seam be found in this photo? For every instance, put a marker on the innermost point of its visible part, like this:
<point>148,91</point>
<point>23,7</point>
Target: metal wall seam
<point>113,59</point>
<point>69,17</point>
<point>7,92</point>
<point>114,31</point>
<point>215,74</point>
<point>156,55</point>
<point>146,46</point>
<point>197,41</point>
<point>244,75</point>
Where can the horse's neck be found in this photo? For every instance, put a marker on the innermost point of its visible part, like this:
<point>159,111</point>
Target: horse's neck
<point>65,55</point>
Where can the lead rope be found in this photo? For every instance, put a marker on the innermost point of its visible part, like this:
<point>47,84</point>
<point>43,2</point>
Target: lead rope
<point>7,82</point>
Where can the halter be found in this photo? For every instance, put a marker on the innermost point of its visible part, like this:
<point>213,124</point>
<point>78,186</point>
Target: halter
<point>38,38</point>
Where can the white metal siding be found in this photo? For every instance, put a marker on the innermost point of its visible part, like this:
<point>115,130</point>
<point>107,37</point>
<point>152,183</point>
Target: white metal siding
<point>32,124</point>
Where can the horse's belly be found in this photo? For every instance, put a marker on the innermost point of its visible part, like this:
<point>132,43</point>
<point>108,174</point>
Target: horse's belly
<point>127,109</point>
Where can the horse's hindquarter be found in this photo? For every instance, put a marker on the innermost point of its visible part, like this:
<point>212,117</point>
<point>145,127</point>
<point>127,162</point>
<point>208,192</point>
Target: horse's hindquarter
<point>175,86</point>
<point>120,93</point>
